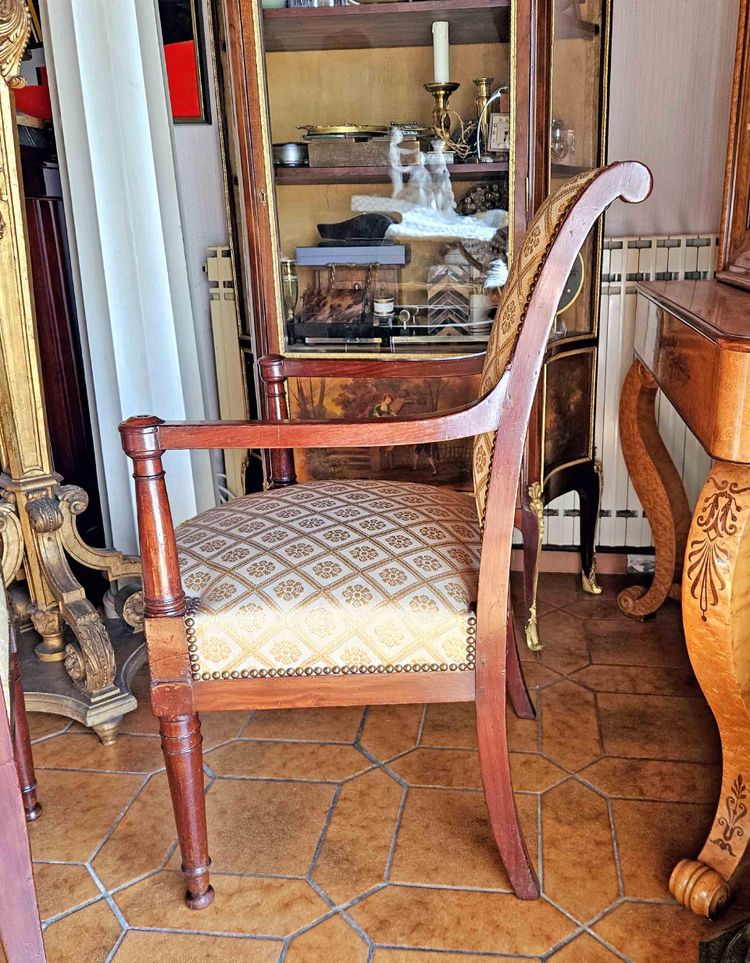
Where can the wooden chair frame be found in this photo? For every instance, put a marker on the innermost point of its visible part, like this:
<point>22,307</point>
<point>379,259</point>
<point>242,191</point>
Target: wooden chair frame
<point>177,699</point>
<point>20,929</point>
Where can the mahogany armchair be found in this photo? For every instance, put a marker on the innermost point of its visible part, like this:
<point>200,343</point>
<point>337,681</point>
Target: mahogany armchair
<point>358,592</point>
<point>20,929</point>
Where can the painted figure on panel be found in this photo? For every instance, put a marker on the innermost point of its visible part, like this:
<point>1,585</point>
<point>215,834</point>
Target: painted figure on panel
<point>445,463</point>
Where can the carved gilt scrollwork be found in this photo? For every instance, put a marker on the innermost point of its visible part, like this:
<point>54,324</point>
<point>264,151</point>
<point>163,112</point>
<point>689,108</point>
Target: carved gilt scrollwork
<point>12,542</point>
<point>15,27</point>
<point>52,511</point>
<point>133,611</point>
<point>44,514</point>
<point>73,501</point>
<point>48,622</point>
<point>91,664</point>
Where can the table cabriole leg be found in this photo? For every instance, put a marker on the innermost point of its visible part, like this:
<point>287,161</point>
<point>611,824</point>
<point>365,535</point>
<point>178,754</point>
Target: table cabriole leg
<point>659,488</point>
<point>716,616</point>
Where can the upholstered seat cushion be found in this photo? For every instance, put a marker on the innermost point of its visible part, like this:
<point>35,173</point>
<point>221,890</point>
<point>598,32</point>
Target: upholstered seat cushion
<point>332,578</point>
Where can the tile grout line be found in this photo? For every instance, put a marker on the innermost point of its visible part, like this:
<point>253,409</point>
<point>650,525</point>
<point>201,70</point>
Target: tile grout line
<point>118,819</point>
<point>379,764</point>
<point>394,838</point>
<point>323,832</point>
<point>422,723</point>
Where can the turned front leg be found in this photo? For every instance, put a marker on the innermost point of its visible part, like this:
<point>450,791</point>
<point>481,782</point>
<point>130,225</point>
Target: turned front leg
<point>181,741</point>
<point>716,616</point>
<point>659,488</point>
<point>22,742</point>
<point>167,647</point>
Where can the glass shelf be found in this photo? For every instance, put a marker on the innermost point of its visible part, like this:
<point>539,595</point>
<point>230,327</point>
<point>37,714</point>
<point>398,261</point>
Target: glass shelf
<point>380,175</point>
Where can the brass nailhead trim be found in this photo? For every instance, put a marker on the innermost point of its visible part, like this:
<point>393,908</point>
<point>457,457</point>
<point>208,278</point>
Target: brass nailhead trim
<point>191,607</point>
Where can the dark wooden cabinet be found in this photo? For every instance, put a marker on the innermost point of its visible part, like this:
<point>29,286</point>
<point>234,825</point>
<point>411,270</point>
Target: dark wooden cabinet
<point>368,64</point>
<point>63,380</point>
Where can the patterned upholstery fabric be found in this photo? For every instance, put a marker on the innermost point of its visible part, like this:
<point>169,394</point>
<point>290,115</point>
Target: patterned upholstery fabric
<point>332,578</point>
<point>511,313</point>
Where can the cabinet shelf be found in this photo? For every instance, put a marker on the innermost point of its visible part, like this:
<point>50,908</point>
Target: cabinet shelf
<point>379,175</point>
<point>401,24</point>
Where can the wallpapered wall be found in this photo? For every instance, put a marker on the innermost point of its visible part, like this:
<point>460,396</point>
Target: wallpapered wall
<point>671,83</point>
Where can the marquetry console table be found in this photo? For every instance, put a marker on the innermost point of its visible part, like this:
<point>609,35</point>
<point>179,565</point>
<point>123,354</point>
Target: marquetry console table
<point>692,342</point>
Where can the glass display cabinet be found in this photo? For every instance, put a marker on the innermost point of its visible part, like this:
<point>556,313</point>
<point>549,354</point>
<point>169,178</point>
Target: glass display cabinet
<point>385,159</point>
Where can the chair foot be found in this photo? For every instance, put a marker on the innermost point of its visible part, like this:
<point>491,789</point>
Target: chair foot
<point>200,901</point>
<point>200,893</point>
<point>32,812</point>
<point>22,744</point>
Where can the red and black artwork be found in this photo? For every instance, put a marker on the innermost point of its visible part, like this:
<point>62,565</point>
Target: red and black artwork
<point>185,57</point>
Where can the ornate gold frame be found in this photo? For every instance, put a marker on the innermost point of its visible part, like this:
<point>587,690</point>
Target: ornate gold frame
<point>75,675</point>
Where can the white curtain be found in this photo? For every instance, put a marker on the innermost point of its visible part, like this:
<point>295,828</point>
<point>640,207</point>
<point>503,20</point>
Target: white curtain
<point>114,139</point>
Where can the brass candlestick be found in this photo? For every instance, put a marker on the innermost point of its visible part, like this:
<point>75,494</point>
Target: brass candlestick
<point>483,85</point>
<point>289,287</point>
<point>440,113</point>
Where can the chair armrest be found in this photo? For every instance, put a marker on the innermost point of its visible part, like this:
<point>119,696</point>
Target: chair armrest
<point>462,422</point>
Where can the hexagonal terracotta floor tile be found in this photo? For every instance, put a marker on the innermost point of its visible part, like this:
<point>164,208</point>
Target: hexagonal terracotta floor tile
<point>580,873</point>
<point>570,726</point>
<point>248,905</point>
<point>358,839</point>
<point>435,919</point>
<point>180,947</point>
<point>287,760</point>
<point>655,779</point>
<point>445,838</point>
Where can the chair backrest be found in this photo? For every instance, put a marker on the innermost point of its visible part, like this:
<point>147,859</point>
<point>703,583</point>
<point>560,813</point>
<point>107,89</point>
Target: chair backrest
<point>511,313</point>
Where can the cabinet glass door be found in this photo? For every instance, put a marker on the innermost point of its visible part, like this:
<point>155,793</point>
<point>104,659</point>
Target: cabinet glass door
<point>390,129</point>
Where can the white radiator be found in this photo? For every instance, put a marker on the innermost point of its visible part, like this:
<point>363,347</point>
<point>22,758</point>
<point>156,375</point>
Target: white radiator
<point>626,261</point>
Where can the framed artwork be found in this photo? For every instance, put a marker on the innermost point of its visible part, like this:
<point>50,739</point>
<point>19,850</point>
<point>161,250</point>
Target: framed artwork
<point>185,57</point>
<point>33,100</point>
<point>443,463</point>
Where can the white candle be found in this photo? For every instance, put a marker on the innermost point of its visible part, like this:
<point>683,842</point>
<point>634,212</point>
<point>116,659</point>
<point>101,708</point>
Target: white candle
<point>441,52</point>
